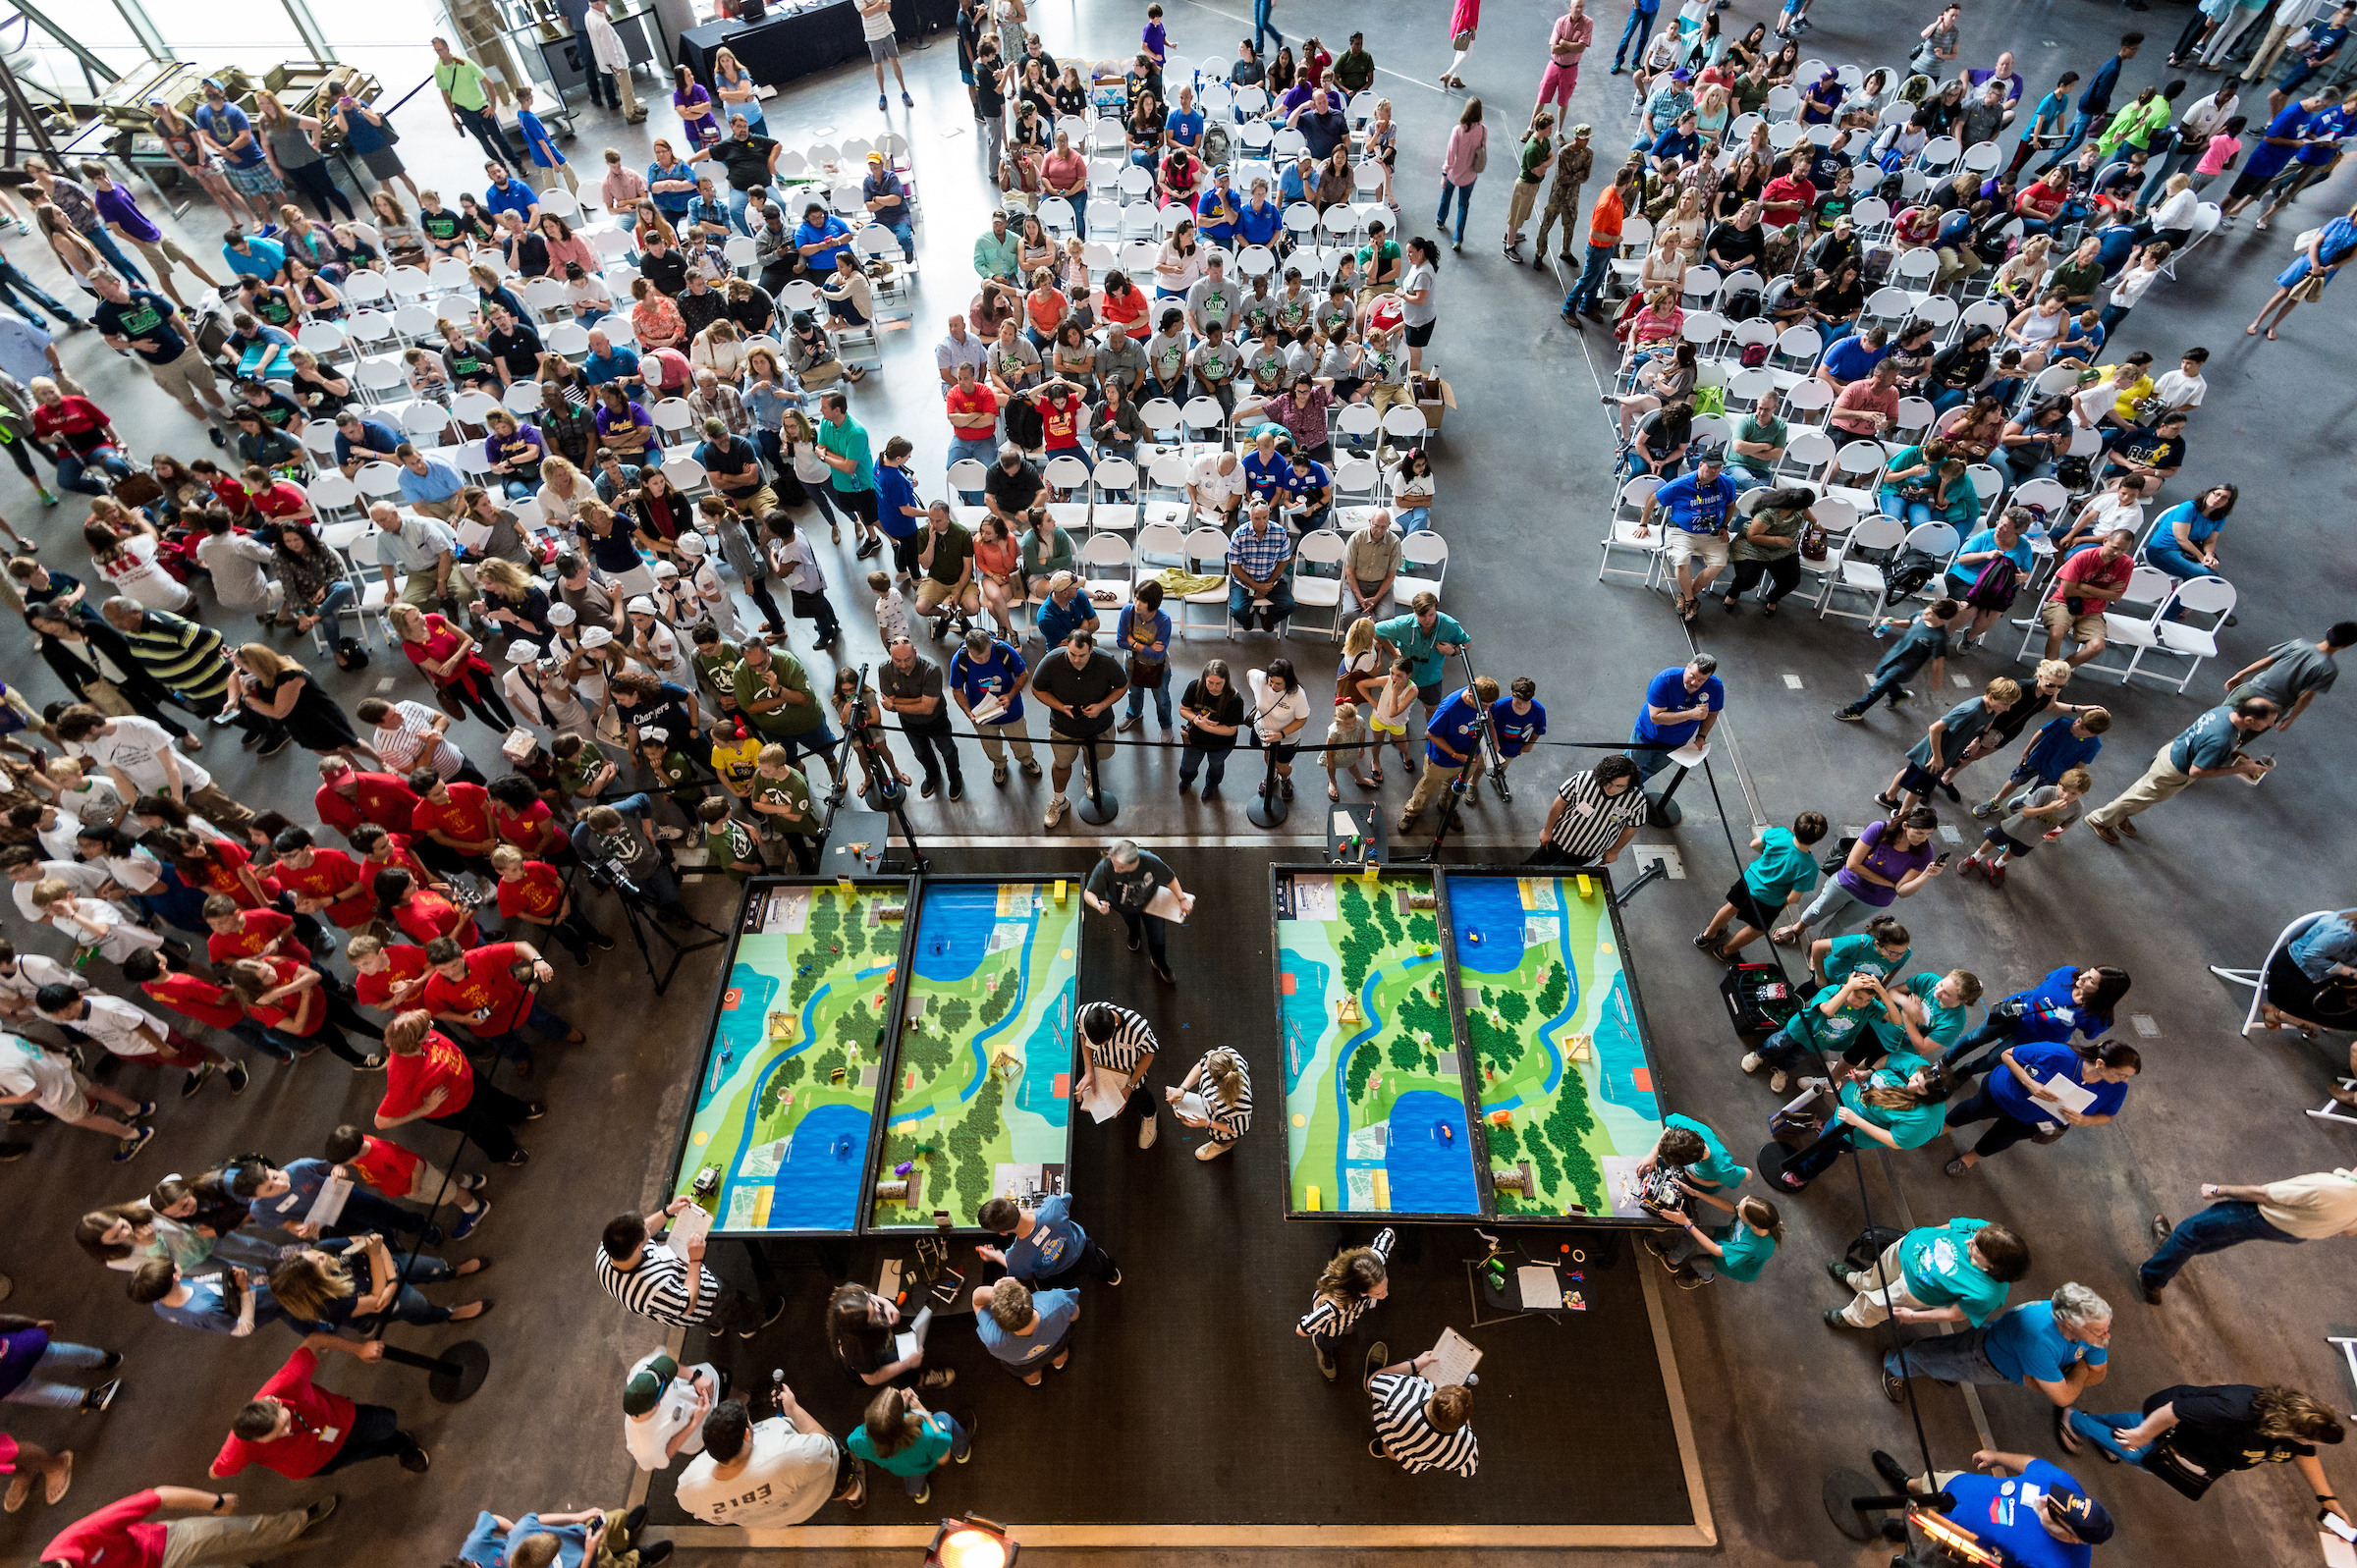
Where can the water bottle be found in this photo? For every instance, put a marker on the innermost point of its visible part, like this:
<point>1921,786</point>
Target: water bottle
<point>1880,629</point>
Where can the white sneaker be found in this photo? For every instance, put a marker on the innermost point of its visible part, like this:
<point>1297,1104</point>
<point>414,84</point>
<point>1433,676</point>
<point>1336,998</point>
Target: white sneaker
<point>1150,1131</point>
<point>1056,810</point>
<point>1752,1061</point>
<point>1779,1082</point>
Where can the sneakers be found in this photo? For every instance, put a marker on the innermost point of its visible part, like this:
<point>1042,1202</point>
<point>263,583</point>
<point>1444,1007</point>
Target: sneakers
<point>127,1148</point>
<point>909,102</point>
<point>1850,715</point>
<point>468,1222</point>
<point>196,1079</point>
<point>317,1513</point>
<point>417,1461</point>
<point>998,775</point>
<point>1704,942</point>
<point>1115,1281</point>
<point>654,1553</point>
<point>98,1399</point>
<point>1325,1366</point>
<point>1894,1387</point>
<point>882,102</point>
<point>1152,1130</point>
<point>1056,810</point>
<point>1752,1061</point>
<point>925,1495</point>
<point>1984,811</point>
<point>1994,873</point>
<point>1031,769</point>
<point>1779,1081</point>
<point>1379,1356</point>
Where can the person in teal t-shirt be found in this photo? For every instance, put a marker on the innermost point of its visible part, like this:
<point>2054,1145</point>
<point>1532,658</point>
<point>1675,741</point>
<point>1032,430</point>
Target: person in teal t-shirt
<point>1738,1252</point>
<point>1782,874</point>
<point>1880,950</point>
<point>902,1437</point>
<point>1924,1016</point>
<point>1956,1272</point>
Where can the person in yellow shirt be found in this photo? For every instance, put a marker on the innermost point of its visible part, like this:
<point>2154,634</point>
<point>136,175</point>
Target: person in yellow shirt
<point>736,756</point>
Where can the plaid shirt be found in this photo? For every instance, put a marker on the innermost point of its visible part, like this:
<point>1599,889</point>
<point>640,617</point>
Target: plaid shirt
<point>1260,553</point>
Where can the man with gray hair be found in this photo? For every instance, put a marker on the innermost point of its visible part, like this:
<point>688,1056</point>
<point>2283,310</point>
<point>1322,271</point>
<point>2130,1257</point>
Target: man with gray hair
<point>1123,883</point>
<point>424,551</point>
<point>2058,1346</point>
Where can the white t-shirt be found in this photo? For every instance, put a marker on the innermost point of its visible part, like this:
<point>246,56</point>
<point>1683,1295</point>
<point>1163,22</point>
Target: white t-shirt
<point>790,1475</point>
<point>134,572</point>
<point>115,1024</point>
<point>86,881</point>
<point>402,745</point>
<point>25,1068</point>
<point>1273,715</point>
<point>1419,276</point>
<point>1212,487</point>
<point>876,25</point>
<point>33,971</point>
<point>136,747</point>
<point>2178,390</point>
<point>648,1436</point>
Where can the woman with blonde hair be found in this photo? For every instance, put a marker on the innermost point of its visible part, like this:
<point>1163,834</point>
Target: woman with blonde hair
<point>563,489</point>
<point>719,348</point>
<point>318,1288</point>
<point>447,656</point>
<point>275,687</point>
<point>740,93</point>
<point>514,600</point>
<point>1356,1279</point>
<point>1359,674</point>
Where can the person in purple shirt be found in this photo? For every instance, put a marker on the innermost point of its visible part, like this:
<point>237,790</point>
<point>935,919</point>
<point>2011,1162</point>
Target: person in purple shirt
<point>1890,861</point>
<point>125,220</point>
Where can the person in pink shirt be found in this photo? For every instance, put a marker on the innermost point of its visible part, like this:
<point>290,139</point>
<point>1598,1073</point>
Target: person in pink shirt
<point>1463,21</point>
<point>1574,32</point>
<point>1468,140</point>
<point>1866,408</point>
<point>622,187</point>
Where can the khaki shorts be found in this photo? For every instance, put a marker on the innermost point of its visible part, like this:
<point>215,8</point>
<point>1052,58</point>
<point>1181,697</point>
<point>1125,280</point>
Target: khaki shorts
<point>188,376</point>
<point>2056,618</point>
<point>1066,752</point>
<point>1682,547</point>
<point>931,596</point>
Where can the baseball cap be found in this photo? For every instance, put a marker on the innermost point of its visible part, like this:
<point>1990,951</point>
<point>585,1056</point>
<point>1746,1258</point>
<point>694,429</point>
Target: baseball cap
<point>875,158</point>
<point>2088,1519</point>
<point>640,1395</point>
<point>521,652</point>
<point>1681,73</point>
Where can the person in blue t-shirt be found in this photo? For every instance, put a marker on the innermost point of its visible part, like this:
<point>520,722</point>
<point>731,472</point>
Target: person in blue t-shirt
<point>1266,469</point>
<point>2210,747</point>
<point>821,237</point>
<point>990,670</point>
<point>1184,124</point>
<point>2058,1346</point>
<point>2072,1000</point>
<point>2320,259</point>
<point>1043,1241</point>
<point>2064,743</point>
<point>1698,505</point>
<point>2285,135</point>
<point>2033,1510</point>
<point>2024,1095</point>
<point>1259,221</point>
<point>1025,1329</point>
<point>1452,740</point>
<point>1681,704</point>
<point>1516,721</point>
<point>1854,358</point>
<point>1217,209</point>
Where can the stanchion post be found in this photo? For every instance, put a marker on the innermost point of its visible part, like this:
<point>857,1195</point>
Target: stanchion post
<point>1269,808</point>
<point>1098,805</point>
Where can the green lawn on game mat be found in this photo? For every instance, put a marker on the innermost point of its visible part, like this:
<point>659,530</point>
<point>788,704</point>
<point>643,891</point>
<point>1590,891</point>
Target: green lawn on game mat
<point>980,1099</point>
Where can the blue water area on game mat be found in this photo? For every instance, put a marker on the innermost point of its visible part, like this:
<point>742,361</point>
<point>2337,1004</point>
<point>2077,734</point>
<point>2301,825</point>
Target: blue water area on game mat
<point>1430,1174</point>
<point>818,1188</point>
<point>1304,1015</point>
<point>740,1027</point>
<point>1046,1053</point>
<point>1621,1054</point>
<point>952,929</point>
<point>1486,915</point>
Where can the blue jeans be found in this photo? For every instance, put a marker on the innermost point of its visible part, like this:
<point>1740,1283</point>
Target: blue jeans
<point>1914,514</point>
<point>1280,606</point>
<point>1213,765</point>
<point>2112,315</point>
<point>1832,332</point>
<point>1263,29</point>
<point>1649,758</point>
<point>2212,1230</point>
<point>2099,1430</point>
<point>72,474</point>
<point>1640,27</point>
<point>1162,699</point>
<point>1079,203</point>
<point>57,1357</point>
<point>1587,294</point>
<point>2080,124</point>
<point>907,236</point>
<point>739,200</point>
<point>961,1441</point>
<point>10,280</point>
<point>1952,397</point>
<point>1954,1357</point>
<point>1415,519</point>
<point>106,247</point>
<point>1465,205</point>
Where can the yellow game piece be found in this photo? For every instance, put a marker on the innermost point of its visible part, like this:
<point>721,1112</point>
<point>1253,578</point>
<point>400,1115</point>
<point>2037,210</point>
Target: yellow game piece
<point>1062,887</point>
<point>843,885</point>
<point>1300,1120</point>
<point>1312,1202</point>
<point>1587,889</point>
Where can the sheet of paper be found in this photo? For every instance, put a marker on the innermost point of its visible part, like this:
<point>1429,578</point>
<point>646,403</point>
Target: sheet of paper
<point>2338,1553</point>
<point>1105,1098</point>
<point>328,1207</point>
<point>903,1345</point>
<point>1171,906</point>
<point>1454,1357</point>
<point>689,1227</point>
<point>1540,1286</point>
<point>1192,1104</point>
<point>2068,1093</point>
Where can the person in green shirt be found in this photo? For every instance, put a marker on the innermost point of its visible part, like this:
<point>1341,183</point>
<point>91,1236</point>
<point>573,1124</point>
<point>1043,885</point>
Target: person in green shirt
<point>1738,1251</point>
<point>996,253</point>
<point>781,800</point>
<point>1047,550</point>
<point>715,663</point>
<point>902,1438</point>
<point>1834,1016</point>
<point>1379,261</point>
<point>466,94</point>
<point>1882,950</point>
<point>842,447</point>
<point>773,690</point>
<point>1903,1105</point>
<point>1354,69</point>
<point>1956,1272</point>
<point>1924,1016</point>
<point>1702,1169</point>
<point>1531,174</point>
<point>583,769</point>
<point>1781,875</point>
<point>728,844</point>
<point>1759,442</point>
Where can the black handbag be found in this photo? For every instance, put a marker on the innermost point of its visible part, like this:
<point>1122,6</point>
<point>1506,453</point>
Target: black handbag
<point>2190,1478</point>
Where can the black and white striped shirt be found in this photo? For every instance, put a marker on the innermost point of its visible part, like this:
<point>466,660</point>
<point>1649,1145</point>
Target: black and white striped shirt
<point>1131,1043</point>
<point>1227,1122</point>
<point>658,1288</point>
<point>1407,1432</point>
<point>1593,821</point>
<point>1329,1317</point>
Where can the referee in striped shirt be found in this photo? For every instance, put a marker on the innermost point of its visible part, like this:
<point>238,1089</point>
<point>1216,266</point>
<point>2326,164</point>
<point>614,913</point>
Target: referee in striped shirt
<point>1596,813</point>
<point>1118,1046</point>
<point>1224,1086</point>
<point>1421,1426</point>
<point>639,1269</point>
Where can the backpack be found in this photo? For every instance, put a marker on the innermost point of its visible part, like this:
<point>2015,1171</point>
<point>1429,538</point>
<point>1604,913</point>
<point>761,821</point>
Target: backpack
<point>1744,308</point>
<point>1215,144</point>
<point>1870,1246</point>
<point>1994,589</point>
<point>351,654</point>
<point>1755,355</point>
<point>1908,574</point>
<point>1759,998</point>
<point>2074,474</point>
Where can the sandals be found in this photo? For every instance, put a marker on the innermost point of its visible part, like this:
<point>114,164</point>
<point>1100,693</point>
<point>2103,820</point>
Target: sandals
<point>2064,1438</point>
<point>1334,792</point>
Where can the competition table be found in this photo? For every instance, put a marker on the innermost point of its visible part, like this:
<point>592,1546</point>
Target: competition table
<point>779,49</point>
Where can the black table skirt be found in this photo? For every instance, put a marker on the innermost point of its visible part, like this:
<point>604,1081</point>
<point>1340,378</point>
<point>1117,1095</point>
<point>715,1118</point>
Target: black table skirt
<point>779,49</point>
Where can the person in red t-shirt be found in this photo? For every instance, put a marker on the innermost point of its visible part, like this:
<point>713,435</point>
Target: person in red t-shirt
<point>379,850</point>
<point>2088,582</point>
<point>1060,412</point>
<point>324,882</point>
<point>300,1429</point>
<point>480,989</point>
<point>456,815</point>
<point>386,975</point>
<point>398,1172</point>
<point>195,997</point>
<point>520,815</point>
<point>80,434</point>
<point>347,798</point>
<point>427,1078</point>
<point>1787,198</point>
<point>534,892</point>
<point>223,866</point>
<point>296,1004</point>
<point>248,933</point>
<point>421,913</point>
<point>276,498</point>
<point>126,1535</point>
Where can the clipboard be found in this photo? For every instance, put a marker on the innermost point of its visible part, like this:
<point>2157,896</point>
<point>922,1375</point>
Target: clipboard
<point>1174,907</point>
<point>1455,1357</point>
<point>689,1227</point>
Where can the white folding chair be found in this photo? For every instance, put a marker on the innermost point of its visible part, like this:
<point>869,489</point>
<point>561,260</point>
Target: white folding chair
<point>1318,577</point>
<point>2186,639</point>
<point>1809,455</point>
<point>2133,623</point>
<point>1621,533</point>
<point>1114,475</point>
<point>1423,564</point>
<point>1869,549</point>
<point>1860,464</point>
<point>1160,546</point>
<point>1206,556</point>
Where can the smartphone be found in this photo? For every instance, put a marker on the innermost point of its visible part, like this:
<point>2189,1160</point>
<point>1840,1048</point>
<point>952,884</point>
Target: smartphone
<point>1945,857</point>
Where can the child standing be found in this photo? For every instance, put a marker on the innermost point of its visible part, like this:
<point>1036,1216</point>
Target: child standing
<point>1924,642</point>
<point>902,1436</point>
<point>547,165</point>
<point>891,609</point>
<point>1156,37</point>
<point>1950,736</point>
<point>1345,730</point>
<point>1516,721</point>
<point>736,756</point>
<point>781,800</point>
<point>1392,700</point>
<point>728,844</point>
<point>2062,745</point>
<point>2046,810</point>
<point>2220,155</point>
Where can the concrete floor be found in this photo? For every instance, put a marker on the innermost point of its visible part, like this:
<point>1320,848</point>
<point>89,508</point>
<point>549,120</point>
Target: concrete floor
<point>1777,1403</point>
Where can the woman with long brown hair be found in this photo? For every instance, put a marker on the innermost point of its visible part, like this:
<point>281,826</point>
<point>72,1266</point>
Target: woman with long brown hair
<point>319,1288</point>
<point>1353,1280</point>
